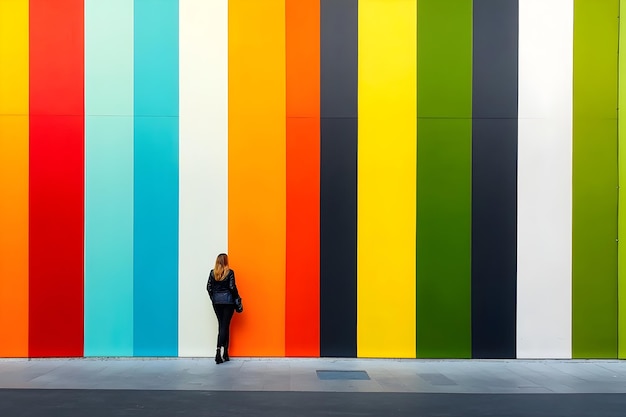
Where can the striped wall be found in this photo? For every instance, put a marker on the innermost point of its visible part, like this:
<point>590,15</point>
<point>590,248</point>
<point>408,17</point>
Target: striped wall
<point>14,184</point>
<point>108,179</point>
<point>302,165</point>
<point>621,225</point>
<point>386,192</point>
<point>544,219</point>
<point>594,197</point>
<point>444,179</point>
<point>391,178</point>
<point>338,177</point>
<point>203,177</point>
<point>56,178</point>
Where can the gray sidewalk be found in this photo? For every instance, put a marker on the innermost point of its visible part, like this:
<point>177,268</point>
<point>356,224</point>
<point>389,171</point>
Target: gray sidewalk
<point>281,374</point>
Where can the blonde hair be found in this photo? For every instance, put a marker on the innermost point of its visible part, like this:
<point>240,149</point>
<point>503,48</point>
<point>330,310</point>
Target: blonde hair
<point>221,267</point>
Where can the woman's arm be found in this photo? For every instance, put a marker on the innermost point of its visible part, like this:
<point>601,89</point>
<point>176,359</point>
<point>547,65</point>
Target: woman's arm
<point>209,285</point>
<point>232,285</point>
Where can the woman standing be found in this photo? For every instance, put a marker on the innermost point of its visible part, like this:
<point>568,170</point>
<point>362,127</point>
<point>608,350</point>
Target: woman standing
<point>223,293</point>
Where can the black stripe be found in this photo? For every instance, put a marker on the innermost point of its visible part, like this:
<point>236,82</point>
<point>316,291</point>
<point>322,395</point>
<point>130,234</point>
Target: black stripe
<point>494,179</point>
<point>338,177</point>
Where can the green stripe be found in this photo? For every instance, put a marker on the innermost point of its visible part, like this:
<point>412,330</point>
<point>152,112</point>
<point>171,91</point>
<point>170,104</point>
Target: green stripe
<point>444,97</point>
<point>622,195</point>
<point>594,236</point>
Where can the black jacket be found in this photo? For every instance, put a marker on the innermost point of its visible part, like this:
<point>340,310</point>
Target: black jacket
<point>222,292</point>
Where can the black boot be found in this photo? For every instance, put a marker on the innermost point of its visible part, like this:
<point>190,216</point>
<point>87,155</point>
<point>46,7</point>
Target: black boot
<point>218,356</point>
<point>226,357</point>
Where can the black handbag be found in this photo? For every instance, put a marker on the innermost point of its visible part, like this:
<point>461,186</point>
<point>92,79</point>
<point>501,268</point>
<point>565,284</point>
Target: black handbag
<point>222,297</point>
<point>238,305</point>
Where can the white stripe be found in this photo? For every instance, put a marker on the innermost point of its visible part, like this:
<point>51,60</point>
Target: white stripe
<point>544,272</point>
<point>203,166</point>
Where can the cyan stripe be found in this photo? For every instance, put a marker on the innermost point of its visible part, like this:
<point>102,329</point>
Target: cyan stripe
<point>156,58</point>
<point>156,178</point>
<point>108,308</point>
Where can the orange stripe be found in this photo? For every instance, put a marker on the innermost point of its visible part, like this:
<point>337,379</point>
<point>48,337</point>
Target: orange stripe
<point>302,325</point>
<point>256,173</point>
<point>14,178</point>
<point>303,58</point>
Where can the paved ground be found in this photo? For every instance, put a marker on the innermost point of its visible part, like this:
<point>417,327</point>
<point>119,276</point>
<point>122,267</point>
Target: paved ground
<point>102,403</point>
<point>384,375</point>
<point>311,387</point>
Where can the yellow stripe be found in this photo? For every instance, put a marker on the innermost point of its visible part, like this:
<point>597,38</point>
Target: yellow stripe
<point>14,178</point>
<point>13,57</point>
<point>387,178</point>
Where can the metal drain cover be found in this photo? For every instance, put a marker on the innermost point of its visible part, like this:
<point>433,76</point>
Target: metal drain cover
<point>342,375</point>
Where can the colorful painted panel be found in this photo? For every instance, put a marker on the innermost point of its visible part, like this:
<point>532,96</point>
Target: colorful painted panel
<point>391,178</point>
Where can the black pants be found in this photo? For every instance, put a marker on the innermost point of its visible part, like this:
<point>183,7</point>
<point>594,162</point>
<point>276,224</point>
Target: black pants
<point>224,313</point>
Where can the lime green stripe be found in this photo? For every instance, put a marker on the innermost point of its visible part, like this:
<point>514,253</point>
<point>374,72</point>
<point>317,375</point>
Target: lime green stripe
<point>622,182</point>
<point>444,178</point>
<point>594,249</point>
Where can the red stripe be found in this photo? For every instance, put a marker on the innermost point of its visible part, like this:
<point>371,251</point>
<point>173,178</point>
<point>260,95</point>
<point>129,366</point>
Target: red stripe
<point>56,178</point>
<point>302,325</point>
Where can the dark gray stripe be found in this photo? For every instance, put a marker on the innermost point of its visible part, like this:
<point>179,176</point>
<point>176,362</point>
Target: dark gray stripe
<point>338,207</point>
<point>494,179</point>
<point>338,58</point>
<point>495,51</point>
<point>338,176</point>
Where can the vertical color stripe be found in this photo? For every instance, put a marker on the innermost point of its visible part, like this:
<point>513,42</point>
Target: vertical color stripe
<point>156,178</point>
<point>544,224</point>
<point>256,172</point>
<point>387,104</point>
<point>622,192</point>
<point>56,178</point>
<point>494,178</point>
<point>444,184</point>
<point>203,159</point>
<point>108,178</point>
<point>14,178</point>
<point>594,253</point>
<point>338,176</point>
<point>302,303</point>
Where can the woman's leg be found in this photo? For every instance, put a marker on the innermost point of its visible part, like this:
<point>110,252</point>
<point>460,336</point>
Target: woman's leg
<point>219,313</point>
<point>227,316</point>
<point>223,321</point>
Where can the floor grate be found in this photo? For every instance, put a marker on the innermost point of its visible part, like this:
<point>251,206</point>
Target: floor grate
<point>342,375</point>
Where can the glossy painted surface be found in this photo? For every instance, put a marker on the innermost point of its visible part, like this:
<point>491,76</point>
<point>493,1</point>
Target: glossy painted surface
<point>108,178</point>
<point>494,178</point>
<point>444,178</point>
<point>338,177</point>
<point>544,220</point>
<point>302,302</point>
<point>277,131</point>
<point>594,222</point>
<point>14,178</point>
<point>203,168</point>
<point>387,101</point>
<point>56,169</point>
<point>257,173</point>
<point>621,220</point>
<point>155,186</point>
